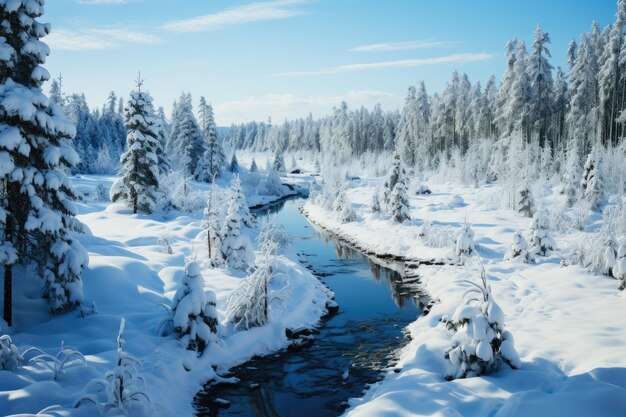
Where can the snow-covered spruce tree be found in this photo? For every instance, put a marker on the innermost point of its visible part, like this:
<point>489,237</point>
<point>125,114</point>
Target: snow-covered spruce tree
<point>518,249</point>
<point>480,343</point>
<point>465,244</point>
<point>194,312</point>
<point>540,241</point>
<point>214,158</point>
<point>37,217</point>
<point>376,207</point>
<point>140,162</point>
<point>186,139</point>
<point>343,207</point>
<point>399,201</point>
<point>253,166</point>
<point>163,130</point>
<point>236,248</point>
<point>233,166</point>
<point>619,270</point>
<point>571,173</point>
<point>279,163</point>
<point>525,203</point>
<point>238,196</point>
<point>392,178</point>
<point>9,355</point>
<point>591,182</point>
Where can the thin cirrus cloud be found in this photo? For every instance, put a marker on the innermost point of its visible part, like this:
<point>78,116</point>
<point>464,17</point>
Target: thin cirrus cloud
<point>402,46</point>
<point>255,12</point>
<point>94,39</point>
<point>403,63</point>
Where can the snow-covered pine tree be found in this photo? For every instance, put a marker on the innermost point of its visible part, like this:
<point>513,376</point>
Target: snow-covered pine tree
<point>540,71</point>
<point>591,182</point>
<point>186,138</point>
<point>343,207</point>
<point>518,249</point>
<point>238,196</point>
<point>480,343</point>
<point>214,157</point>
<point>399,201</point>
<point>273,183</point>
<point>234,164</point>
<point>163,130</point>
<point>619,270</point>
<point>194,312</point>
<point>253,166</point>
<point>279,162</point>
<point>236,248</point>
<point>140,161</point>
<point>37,218</point>
<point>540,241</point>
<point>525,203</point>
<point>390,182</point>
<point>376,207</point>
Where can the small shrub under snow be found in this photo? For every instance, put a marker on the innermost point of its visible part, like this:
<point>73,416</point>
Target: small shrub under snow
<point>518,249</point>
<point>122,391</point>
<point>9,356</point>
<point>540,241</point>
<point>465,244</point>
<point>273,237</point>
<point>480,343</point>
<point>66,358</point>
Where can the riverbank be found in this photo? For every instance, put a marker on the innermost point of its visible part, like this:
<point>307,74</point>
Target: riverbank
<point>130,274</point>
<point>567,323</point>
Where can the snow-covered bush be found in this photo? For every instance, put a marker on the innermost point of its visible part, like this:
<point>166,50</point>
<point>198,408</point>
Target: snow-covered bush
<point>165,242</point>
<point>395,172</point>
<point>177,193</point>
<point>122,391</point>
<point>211,225</point>
<point>194,316</point>
<point>236,247</point>
<point>343,208</point>
<point>9,355</point>
<point>465,244</point>
<point>423,189</point>
<point>540,241</point>
<point>249,304</point>
<point>66,358</point>
<point>480,343</point>
<point>619,270</point>
<point>518,249</point>
<point>273,237</point>
<point>279,163</point>
<point>273,183</point>
<point>436,236</point>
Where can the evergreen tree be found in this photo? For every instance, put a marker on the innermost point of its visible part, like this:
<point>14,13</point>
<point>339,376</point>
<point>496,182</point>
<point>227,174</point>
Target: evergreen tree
<point>525,204</point>
<point>518,250</point>
<point>399,204</point>
<point>37,216</point>
<point>253,166</point>
<point>238,196</point>
<point>395,172</point>
<point>214,155</point>
<point>141,170</point>
<point>541,243</point>
<point>234,164</point>
<point>187,143</point>
<point>279,163</point>
<point>591,182</point>
<point>236,248</point>
<point>163,135</point>
<point>213,230</point>
<point>540,71</point>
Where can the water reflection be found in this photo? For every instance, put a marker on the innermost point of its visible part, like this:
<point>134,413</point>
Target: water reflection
<point>351,350</point>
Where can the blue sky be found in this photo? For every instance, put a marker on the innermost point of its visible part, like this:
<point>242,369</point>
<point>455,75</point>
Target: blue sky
<point>284,58</point>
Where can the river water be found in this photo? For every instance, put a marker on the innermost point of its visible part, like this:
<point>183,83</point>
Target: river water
<point>352,348</point>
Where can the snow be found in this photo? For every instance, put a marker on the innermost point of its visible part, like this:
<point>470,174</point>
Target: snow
<point>128,276</point>
<point>567,323</point>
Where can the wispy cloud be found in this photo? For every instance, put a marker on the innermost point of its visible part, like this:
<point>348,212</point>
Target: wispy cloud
<point>93,39</point>
<point>255,12</point>
<point>290,106</point>
<point>102,1</point>
<point>402,46</point>
<point>404,63</point>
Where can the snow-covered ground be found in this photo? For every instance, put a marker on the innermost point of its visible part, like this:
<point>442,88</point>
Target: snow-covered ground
<point>129,275</point>
<point>568,324</point>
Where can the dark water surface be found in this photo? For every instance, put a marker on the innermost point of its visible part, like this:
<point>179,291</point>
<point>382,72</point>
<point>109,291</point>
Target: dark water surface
<point>351,349</point>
